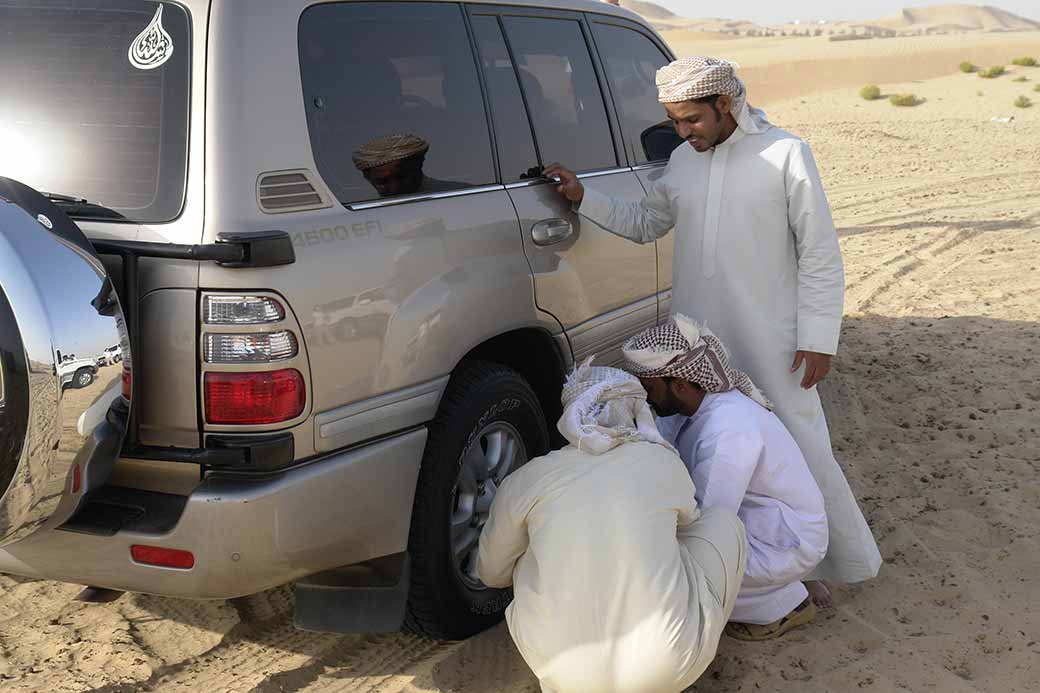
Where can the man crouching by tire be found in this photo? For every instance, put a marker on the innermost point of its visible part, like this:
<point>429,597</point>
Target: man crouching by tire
<point>621,584</point>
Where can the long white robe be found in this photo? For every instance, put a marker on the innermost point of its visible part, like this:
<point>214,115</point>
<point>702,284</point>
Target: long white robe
<point>621,584</point>
<point>742,458</point>
<point>757,259</point>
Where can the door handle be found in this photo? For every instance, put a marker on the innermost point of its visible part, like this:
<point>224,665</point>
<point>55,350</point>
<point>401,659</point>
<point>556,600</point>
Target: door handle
<point>551,231</point>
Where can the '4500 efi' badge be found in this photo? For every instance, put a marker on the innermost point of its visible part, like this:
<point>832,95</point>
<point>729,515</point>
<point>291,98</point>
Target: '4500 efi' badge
<point>153,46</point>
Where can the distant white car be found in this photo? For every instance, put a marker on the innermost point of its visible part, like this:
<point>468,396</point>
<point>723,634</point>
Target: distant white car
<point>111,355</point>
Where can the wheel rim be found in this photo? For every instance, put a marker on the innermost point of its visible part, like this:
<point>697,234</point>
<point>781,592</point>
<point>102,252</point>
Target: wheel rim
<point>496,451</point>
<point>84,379</point>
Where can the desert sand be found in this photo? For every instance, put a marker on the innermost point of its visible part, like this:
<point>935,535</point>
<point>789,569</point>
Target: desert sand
<point>933,406</point>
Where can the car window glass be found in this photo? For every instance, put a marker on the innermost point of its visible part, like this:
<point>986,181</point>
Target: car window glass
<point>631,61</point>
<point>393,100</point>
<point>91,109</point>
<point>559,82</point>
<point>516,151</point>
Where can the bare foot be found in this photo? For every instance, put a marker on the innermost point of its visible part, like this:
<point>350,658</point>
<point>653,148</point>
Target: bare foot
<point>821,596</point>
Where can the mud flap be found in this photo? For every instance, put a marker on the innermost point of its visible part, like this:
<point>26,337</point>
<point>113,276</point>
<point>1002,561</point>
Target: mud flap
<point>369,597</point>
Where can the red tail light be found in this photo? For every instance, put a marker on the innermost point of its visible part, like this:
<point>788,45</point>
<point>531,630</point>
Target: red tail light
<point>166,558</point>
<point>254,398</point>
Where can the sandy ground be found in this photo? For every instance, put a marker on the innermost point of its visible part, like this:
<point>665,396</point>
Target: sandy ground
<point>933,408</point>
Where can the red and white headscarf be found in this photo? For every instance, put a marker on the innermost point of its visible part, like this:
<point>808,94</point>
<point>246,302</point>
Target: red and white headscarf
<point>682,349</point>
<point>687,79</point>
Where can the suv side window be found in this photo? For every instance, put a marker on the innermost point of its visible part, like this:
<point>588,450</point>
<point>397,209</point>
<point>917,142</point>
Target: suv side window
<point>375,72</point>
<point>562,92</point>
<point>631,61</point>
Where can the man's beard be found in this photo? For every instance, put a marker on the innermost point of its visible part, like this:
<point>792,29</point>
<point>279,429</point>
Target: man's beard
<point>669,407</point>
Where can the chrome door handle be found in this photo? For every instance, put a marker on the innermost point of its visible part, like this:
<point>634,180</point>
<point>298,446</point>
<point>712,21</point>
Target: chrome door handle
<point>551,231</point>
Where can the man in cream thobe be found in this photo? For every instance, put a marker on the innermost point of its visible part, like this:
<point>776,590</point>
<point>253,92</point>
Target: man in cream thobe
<point>621,584</point>
<point>756,259</point>
<point>742,458</point>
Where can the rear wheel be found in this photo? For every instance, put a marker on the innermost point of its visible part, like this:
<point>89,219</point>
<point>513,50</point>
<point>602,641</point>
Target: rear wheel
<point>489,424</point>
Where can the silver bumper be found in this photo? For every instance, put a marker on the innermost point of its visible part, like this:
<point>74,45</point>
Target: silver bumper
<point>248,536</point>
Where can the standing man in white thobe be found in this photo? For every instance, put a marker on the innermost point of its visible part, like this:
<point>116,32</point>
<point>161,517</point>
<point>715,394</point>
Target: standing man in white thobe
<point>756,259</point>
<point>740,458</point>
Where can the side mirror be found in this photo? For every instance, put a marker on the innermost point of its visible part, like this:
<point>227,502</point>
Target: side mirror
<point>659,141</point>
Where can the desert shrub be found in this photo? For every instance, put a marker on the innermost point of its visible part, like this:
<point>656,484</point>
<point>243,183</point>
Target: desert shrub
<point>1025,61</point>
<point>1023,102</point>
<point>1021,78</point>
<point>870,92</point>
<point>903,100</point>
<point>967,67</point>
<point>1036,87</point>
<point>991,73</point>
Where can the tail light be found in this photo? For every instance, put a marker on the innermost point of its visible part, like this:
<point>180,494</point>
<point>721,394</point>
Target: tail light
<point>254,398</point>
<point>241,310</point>
<point>260,347</point>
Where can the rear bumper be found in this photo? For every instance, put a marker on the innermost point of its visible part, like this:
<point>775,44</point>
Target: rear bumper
<point>251,535</point>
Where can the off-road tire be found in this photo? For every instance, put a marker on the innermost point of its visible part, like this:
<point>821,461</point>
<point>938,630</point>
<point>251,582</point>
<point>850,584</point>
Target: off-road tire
<point>440,604</point>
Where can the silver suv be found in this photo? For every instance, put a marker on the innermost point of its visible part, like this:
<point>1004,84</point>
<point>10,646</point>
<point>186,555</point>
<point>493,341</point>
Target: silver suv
<point>344,295</point>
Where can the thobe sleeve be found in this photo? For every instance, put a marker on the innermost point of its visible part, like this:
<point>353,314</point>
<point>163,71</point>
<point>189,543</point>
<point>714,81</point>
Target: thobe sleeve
<point>643,222</point>
<point>821,275</point>
<point>504,539</point>
<point>724,467</point>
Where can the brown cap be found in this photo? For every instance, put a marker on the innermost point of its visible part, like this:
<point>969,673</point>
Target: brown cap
<point>383,150</point>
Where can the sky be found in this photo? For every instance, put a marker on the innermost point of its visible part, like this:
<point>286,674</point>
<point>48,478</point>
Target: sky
<point>772,12</point>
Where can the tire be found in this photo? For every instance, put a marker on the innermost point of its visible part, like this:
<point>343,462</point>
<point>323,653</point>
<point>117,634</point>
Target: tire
<point>443,601</point>
<point>83,378</point>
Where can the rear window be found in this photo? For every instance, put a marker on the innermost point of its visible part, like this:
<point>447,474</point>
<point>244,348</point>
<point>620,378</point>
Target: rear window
<point>95,99</point>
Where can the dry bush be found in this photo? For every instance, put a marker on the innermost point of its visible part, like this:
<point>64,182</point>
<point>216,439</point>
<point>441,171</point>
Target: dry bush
<point>904,100</point>
<point>1021,78</point>
<point>991,73</point>
<point>967,67</point>
<point>870,92</point>
<point>1023,102</point>
<point>1036,87</point>
<point>1025,61</point>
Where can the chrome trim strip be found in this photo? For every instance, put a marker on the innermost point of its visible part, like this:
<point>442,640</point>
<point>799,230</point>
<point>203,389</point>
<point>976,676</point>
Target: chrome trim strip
<point>377,204</point>
<point>608,172</point>
<point>377,416</point>
<point>526,183</point>
<point>644,167</point>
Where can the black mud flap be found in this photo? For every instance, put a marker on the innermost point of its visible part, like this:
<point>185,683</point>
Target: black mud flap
<point>369,597</point>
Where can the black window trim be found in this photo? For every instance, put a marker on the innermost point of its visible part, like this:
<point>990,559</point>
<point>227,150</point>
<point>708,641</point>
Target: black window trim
<point>471,13</point>
<point>621,163</point>
<point>609,20</point>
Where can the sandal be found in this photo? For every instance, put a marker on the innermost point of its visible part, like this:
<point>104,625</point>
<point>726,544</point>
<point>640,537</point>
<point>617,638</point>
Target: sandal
<point>802,614</point>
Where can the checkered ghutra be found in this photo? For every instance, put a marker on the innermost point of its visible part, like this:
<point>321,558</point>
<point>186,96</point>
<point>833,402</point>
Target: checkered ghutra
<point>666,351</point>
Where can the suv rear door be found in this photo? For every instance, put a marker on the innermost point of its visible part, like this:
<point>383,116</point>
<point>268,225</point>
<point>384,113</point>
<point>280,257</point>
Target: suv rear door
<point>543,79</point>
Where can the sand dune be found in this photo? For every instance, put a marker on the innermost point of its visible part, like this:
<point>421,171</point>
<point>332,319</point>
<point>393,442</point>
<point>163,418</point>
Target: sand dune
<point>911,21</point>
<point>957,18</point>
<point>785,67</point>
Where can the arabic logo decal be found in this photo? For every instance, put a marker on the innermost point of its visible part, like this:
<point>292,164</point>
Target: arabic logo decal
<point>44,221</point>
<point>153,46</point>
